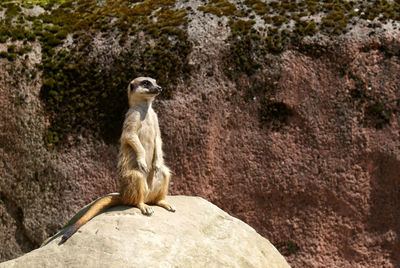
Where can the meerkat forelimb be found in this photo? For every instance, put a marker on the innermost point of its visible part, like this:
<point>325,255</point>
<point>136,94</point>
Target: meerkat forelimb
<point>143,176</point>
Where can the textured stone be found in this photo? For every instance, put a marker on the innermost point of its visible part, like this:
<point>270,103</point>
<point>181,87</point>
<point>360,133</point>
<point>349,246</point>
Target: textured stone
<point>198,234</point>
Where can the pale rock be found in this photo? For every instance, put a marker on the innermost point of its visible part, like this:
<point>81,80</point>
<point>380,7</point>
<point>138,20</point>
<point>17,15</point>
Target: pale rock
<point>198,234</point>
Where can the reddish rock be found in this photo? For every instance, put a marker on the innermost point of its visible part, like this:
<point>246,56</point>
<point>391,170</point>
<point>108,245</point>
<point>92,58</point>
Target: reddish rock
<point>321,182</point>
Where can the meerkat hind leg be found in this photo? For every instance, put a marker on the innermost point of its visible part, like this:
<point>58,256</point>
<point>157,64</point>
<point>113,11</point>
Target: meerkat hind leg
<point>160,200</point>
<point>134,189</point>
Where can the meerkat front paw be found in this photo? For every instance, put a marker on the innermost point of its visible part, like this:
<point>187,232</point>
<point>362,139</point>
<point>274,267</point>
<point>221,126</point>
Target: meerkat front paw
<point>157,169</point>
<point>166,205</point>
<point>171,208</point>
<point>143,166</point>
<point>145,209</point>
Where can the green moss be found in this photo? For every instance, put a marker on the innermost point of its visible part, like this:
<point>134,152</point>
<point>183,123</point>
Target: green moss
<point>260,8</point>
<point>219,8</point>
<point>53,137</point>
<point>3,54</point>
<point>3,38</point>
<point>244,44</point>
<point>335,22</point>
<point>18,33</point>
<point>20,19</point>
<point>310,28</point>
<point>12,10</point>
<point>78,91</point>
<point>278,20</point>
<point>274,43</point>
<point>303,28</point>
<point>11,49</point>
<point>76,84</point>
<point>11,56</point>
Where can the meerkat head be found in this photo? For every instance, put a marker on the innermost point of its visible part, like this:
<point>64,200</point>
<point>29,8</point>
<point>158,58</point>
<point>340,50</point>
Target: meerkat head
<point>143,89</point>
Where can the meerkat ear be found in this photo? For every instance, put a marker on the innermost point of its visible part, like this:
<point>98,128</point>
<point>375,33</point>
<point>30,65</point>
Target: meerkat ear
<point>131,87</point>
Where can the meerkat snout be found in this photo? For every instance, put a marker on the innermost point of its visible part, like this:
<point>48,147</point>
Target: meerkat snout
<point>155,90</point>
<point>158,90</point>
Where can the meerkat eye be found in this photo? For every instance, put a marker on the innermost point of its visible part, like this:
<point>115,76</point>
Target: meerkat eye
<point>145,83</point>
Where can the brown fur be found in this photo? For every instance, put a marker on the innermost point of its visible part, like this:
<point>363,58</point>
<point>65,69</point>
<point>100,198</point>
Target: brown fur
<point>142,174</point>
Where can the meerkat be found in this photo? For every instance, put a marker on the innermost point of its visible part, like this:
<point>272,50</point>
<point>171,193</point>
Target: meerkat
<point>142,174</point>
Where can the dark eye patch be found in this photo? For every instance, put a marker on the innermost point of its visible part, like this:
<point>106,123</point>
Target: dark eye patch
<point>145,83</point>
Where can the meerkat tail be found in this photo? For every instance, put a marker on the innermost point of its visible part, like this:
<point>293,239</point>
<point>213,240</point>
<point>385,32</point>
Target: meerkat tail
<point>105,202</point>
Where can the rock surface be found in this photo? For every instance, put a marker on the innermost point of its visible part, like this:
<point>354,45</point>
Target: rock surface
<point>199,234</point>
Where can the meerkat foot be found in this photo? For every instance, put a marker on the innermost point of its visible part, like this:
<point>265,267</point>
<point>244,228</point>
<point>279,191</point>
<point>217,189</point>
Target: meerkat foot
<point>166,205</point>
<point>146,209</point>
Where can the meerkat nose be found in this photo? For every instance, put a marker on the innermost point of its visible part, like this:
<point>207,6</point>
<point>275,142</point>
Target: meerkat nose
<point>159,89</point>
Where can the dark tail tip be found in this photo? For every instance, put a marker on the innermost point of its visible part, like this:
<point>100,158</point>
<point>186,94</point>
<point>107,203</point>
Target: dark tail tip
<point>71,230</point>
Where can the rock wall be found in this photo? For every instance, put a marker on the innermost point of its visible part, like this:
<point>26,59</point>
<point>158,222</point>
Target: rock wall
<point>322,180</point>
<point>303,145</point>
